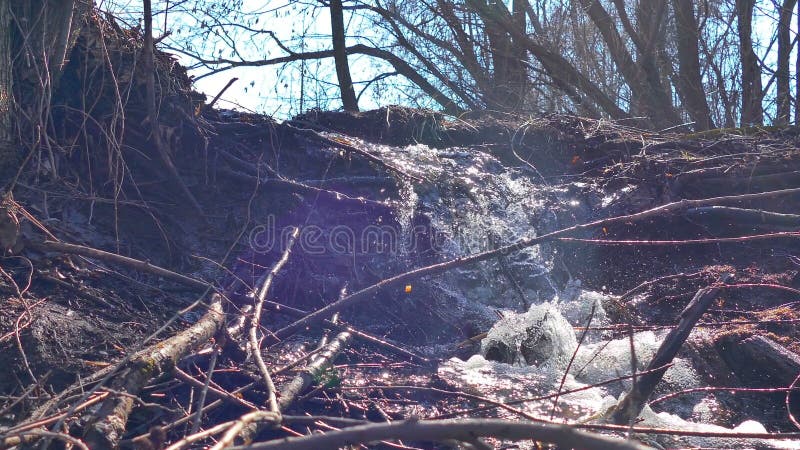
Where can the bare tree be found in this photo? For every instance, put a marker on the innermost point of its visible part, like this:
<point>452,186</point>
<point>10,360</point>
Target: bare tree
<point>662,62</point>
<point>690,79</point>
<point>783,98</point>
<point>7,148</point>
<point>349,100</point>
<point>752,92</point>
<point>797,81</point>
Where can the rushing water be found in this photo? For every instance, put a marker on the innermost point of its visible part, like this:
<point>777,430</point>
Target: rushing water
<point>468,201</point>
<point>476,204</point>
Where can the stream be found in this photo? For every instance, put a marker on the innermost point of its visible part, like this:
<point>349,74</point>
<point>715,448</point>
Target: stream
<point>466,202</point>
<point>478,204</point>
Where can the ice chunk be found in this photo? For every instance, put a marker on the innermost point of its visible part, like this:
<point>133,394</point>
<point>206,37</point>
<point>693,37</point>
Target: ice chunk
<point>541,336</point>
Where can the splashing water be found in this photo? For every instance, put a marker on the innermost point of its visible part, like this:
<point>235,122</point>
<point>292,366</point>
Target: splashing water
<point>474,204</point>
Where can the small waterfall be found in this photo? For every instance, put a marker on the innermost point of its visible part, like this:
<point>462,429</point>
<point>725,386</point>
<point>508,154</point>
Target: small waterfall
<point>473,203</point>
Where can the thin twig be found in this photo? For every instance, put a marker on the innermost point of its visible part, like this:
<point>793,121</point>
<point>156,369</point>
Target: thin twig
<point>144,266</point>
<point>227,439</point>
<point>369,292</point>
<point>633,402</point>
<point>572,359</point>
<point>108,424</point>
<point>792,418</point>
<point>204,391</point>
<point>753,237</point>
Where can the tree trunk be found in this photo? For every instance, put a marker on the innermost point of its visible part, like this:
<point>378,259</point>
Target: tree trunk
<point>349,101</point>
<point>468,58</point>
<point>752,110</point>
<point>563,74</point>
<point>50,28</point>
<point>43,33</point>
<point>784,53</point>
<point>690,79</point>
<point>797,80</point>
<point>8,153</point>
<point>649,96</point>
<point>35,42</point>
<point>509,75</point>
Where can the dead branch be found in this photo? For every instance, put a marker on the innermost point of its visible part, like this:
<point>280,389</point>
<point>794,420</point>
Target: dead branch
<point>311,374</point>
<point>434,269</point>
<point>107,426</point>
<point>222,91</point>
<point>754,237</point>
<point>633,402</point>
<point>564,436</point>
<point>358,334</point>
<point>255,348</point>
<point>746,216</point>
<point>34,435</point>
<point>314,370</point>
<point>255,417</point>
<point>17,435</point>
<point>144,266</point>
<point>759,360</point>
<point>187,440</point>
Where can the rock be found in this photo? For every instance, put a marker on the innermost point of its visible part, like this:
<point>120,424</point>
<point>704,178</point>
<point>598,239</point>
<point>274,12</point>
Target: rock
<point>758,360</point>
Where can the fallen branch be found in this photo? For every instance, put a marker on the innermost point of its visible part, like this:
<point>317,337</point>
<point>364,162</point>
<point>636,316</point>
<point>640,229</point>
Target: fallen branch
<point>564,436</point>
<point>631,405</point>
<point>255,417</point>
<point>312,373</point>
<point>759,360</point>
<point>745,216</point>
<point>108,424</point>
<point>397,280</point>
<point>302,188</point>
<point>144,266</point>
<point>18,435</point>
<point>255,349</point>
<point>753,237</point>
<point>358,334</point>
<point>192,438</point>
<point>314,370</point>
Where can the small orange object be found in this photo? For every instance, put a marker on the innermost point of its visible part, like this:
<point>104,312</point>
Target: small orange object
<point>408,289</point>
<point>576,159</point>
<point>605,231</point>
